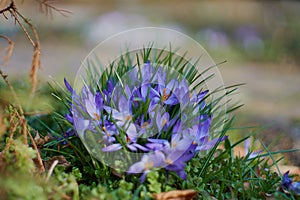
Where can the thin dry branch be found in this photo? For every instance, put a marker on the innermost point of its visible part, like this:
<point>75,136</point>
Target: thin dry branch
<point>35,42</point>
<point>8,49</point>
<point>46,6</point>
<point>10,6</point>
<point>38,155</point>
<point>12,129</point>
<point>4,76</point>
<point>35,65</point>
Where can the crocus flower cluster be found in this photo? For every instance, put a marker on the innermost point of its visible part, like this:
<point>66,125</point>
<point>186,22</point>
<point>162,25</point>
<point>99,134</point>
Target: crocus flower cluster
<point>149,111</point>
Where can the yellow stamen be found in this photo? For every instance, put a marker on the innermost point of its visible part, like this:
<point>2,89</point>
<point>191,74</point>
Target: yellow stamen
<point>127,139</point>
<point>165,95</point>
<point>149,165</point>
<point>105,131</point>
<point>97,117</point>
<point>174,145</point>
<point>164,122</point>
<point>169,161</point>
<point>128,118</point>
<point>145,125</point>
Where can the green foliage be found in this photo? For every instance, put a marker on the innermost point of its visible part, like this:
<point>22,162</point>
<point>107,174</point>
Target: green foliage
<point>154,184</point>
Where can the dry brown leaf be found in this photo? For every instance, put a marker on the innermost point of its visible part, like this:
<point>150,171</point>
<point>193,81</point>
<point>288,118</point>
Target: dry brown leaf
<point>39,141</point>
<point>176,195</point>
<point>62,161</point>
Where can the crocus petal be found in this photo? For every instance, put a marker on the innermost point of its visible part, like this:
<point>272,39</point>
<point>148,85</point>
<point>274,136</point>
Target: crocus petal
<point>159,141</point>
<point>209,144</point>
<point>108,140</point>
<point>113,147</point>
<point>286,180</point>
<point>140,147</point>
<point>255,154</point>
<point>68,86</point>
<point>161,120</point>
<point>131,147</point>
<point>131,132</point>
<point>81,125</point>
<point>145,90</point>
<point>184,143</point>
<point>181,174</point>
<point>155,146</point>
<point>172,100</point>
<point>136,168</point>
<point>144,175</point>
<point>69,117</point>
<point>98,101</point>
<point>158,158</point>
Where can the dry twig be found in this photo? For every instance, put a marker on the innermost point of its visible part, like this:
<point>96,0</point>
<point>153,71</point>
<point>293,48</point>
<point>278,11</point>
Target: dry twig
<point>8,49</point>
<point>46,6</point>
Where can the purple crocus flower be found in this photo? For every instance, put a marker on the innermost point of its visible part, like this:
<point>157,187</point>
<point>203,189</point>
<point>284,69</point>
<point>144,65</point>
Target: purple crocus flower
<point>123,118</point>
<point>162,120</point>
<point>108,92</point>
<point>254,154</point>
<point>147,73</point>
<point>286,181</point>
<point>67,135</point>
<point>130,145</point>
<point>163,93</point>
<point>144,127</point>
<point>94,105</point>
<point>147,163</point>
<point>178,153</point>
<point>109,130</point>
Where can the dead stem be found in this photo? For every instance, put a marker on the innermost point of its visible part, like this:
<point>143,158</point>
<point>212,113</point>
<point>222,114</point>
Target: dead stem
<point>8,50</point>
<point>12,129</point>
<point>25,133</point>
<point>47,8</point>
<point>11,88</point>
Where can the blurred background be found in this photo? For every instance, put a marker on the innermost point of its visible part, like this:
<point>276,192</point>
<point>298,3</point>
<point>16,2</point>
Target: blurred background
<point>260,40</point>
